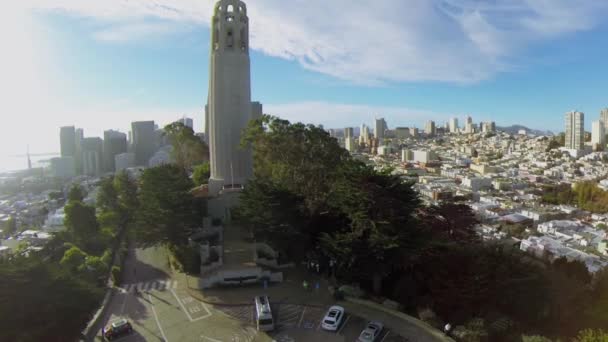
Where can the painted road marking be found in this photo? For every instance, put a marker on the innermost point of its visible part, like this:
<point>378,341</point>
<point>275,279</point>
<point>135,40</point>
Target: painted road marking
<point>289,315</point>
<point>124,303</point>
<point>343,325</point>
<point>209,338</point>
<point>157,321</point>
<point>302,317</point>
<point>193,308</point>
<point>385,336</point>
<point>160,285</point>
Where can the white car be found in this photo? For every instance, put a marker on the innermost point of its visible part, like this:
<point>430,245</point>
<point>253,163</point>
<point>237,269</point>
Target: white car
<point>333,318</point>
<point>371,332</point>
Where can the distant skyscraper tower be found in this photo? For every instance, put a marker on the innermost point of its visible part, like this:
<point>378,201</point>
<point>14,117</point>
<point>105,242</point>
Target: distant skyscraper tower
<point>114,143</point>
<point>453,125</point>
<point>604,118</point>
<point>575,130</point>
<point>379,128</point>
<point>230,107</point>
<point>67,139</point>
<point>598,135</point>
<point>349,132</point>
<point>187,122</point>
<point>143,141</point>
<point>92,156</point>
<point>364,134</point>
<point>429,128</point>
<point>469,120</point>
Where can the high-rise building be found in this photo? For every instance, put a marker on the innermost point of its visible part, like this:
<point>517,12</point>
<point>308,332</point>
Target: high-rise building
<point>349,144</point>
<point>124,161</point>
<point>67,139</point>
<point>379,128</point>
<point>469,120</point>
<point>364,135</point>
<point>402,132</point>
<point>143,141</point>
<point>414,132</point>
<point>453,125</point>
<point>63,167</point>
<point>92,156</point>
<point>114,143</point>
<point>188,122</point>
<point>78,155</point>
<point>604,118</point>
<point>257,110</point>
<point>230,107</point>
<point>598,135</point>
<point>487,127</point>
<point>429,128</point>
<point>575,130</point>
<point>349,132</point>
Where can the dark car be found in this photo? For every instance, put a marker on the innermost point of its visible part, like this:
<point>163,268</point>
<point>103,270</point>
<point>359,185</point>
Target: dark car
<point>116,329</point>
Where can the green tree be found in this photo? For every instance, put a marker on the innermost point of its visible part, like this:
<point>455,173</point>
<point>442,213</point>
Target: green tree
<point>73,259</point>
<point>76,193</point>
<point>126,190</point>
<point>598,315</point>
<point>201,174</point>
<point>534,338</point>
<point>188,149</point>
<point>95,268</point>
<point>10,227</point>
<point>167,214</point>
<point>302,159</point>
<point>41,301</point>
<point>590,335</point>
<point>377,212</point>
<point>81,223</point>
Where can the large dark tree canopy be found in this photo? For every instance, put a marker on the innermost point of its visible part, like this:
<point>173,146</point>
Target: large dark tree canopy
<point>167,214</point>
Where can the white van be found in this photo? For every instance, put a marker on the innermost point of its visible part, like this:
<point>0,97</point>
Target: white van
<point>263,314</point>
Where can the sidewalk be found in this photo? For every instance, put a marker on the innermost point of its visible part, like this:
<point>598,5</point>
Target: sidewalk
<point>290,291</point>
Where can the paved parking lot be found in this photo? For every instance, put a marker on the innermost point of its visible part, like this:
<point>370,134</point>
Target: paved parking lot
<point>160,308</point>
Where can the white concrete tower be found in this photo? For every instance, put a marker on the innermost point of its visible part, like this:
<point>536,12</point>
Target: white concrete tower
<point>230,107</point>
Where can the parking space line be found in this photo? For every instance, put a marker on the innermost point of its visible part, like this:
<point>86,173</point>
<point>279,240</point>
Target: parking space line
<point>157,321</point>
<point>343,325</point>
<point>302,317</point>
<point>182,305</point>
<point>209,338</point>
<point>385,336</point>
<point>193,311</point>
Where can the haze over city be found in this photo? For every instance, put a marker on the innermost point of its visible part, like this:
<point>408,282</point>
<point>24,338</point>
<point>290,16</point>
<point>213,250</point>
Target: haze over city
<point>103,64</point>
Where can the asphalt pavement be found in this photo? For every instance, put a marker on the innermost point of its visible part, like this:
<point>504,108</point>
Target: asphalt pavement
<point>160,307</point>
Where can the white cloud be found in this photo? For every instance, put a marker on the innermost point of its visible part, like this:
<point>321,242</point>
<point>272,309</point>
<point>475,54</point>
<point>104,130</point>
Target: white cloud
<point>382,41</point>
<point>136,31</point>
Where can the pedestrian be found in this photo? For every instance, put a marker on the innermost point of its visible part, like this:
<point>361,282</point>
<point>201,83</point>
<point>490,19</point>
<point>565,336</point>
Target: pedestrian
<point>317,286</point>
<point>318,267</point>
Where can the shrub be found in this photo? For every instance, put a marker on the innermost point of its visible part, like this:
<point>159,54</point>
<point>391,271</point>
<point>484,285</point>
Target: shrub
<point>116,274</point>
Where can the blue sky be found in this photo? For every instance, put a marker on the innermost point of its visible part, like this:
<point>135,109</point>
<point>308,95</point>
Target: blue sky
<point>102,64</point>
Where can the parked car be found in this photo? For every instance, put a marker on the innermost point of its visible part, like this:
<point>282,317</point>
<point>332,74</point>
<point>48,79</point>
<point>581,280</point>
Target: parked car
<point>117,328</point>
<point>333,318</point>
<point>371,332</point>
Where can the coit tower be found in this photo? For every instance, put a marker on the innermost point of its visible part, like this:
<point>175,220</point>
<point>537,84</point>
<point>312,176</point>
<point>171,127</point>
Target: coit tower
<point>229,104</point>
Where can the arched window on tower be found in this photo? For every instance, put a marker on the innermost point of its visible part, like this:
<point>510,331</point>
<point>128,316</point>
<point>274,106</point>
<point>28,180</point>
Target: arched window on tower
<point>229,39</point>
<point>230,9</point>
<point>243,37</point>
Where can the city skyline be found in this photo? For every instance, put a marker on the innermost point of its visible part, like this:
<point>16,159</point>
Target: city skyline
<point>158,57</point>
